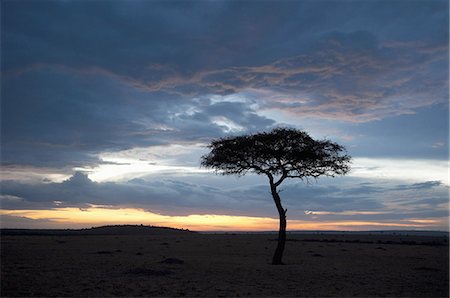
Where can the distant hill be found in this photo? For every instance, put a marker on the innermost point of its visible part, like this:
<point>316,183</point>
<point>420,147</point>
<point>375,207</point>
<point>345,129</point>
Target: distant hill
<point>103,230</point>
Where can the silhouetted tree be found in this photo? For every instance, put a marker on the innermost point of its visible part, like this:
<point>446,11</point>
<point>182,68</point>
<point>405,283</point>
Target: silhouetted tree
<point>279,154</point>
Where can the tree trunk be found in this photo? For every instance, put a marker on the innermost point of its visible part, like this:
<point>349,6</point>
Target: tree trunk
<point>282,230</point>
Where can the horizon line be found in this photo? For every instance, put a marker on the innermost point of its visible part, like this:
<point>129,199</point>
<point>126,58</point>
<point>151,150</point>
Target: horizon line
<point>237,231</point>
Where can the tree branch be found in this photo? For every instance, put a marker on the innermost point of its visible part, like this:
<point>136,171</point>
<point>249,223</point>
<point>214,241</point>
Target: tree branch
<point>284,176</point>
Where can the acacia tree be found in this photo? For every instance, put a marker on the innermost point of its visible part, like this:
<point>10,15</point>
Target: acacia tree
<point>279,154</point>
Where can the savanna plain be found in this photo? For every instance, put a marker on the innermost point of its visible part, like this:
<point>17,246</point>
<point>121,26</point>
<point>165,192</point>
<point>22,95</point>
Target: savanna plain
<point>144,261</point>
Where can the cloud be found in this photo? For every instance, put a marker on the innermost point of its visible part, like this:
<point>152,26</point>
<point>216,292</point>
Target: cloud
<point>354,75</point>
<point>23,222</point>
<point>349,199</point>
<point>412,170</point>
<point>345,76</point>
<point>438,144</point>
<point>144,74</point>
<point>419,186</point>
<point>70,119</point>
<point>103,86</point>
<point>158,195</point>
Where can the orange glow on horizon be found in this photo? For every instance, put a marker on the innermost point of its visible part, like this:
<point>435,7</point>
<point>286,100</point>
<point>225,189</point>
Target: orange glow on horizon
<point>97,216</point>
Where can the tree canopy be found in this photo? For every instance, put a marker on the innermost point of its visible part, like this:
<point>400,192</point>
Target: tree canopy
<point>283,152</point>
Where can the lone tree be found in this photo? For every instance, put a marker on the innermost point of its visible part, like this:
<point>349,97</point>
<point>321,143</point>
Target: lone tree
<point>279,154</point>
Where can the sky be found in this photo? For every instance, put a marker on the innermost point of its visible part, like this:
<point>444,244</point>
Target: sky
<point>108,106</point>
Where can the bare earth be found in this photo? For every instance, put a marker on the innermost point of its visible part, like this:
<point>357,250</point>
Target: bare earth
<point>224,265</point>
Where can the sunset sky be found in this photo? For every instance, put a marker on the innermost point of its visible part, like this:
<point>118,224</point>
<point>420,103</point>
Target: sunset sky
<point>107,106</point>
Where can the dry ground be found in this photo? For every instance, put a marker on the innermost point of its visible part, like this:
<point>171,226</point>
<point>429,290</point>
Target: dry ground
<point>223,265</point>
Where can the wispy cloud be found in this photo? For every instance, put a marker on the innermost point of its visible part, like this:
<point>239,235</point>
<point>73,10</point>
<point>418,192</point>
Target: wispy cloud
<point>344,76</point>
<point>438,144</point>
